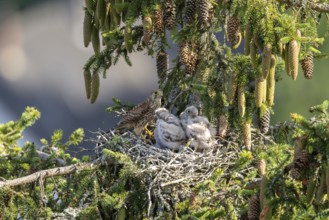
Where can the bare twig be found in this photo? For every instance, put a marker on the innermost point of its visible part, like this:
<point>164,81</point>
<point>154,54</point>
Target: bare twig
<point>58,171</point>
<point>173,182</point>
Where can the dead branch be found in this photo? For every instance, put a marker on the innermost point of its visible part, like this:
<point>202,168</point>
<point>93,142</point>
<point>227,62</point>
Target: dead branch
<point>58,171</point>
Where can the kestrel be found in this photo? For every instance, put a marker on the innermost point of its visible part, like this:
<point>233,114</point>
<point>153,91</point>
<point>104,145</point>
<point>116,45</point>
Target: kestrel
<point>168,132</point>
<point>197,128</point>
<point>138,117</point>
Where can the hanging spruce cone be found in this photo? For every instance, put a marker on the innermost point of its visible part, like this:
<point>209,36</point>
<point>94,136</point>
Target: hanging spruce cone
<point>246,127</point>
<point>87,28</point>
<point>170,14</point>
<point>254,208</point>
<point>264,122</point>
<point>260,91</point>
<point>158,20</point>
<point>94,87</point>
<point>203,11</point>
<point>300,163</point>
<point>253,54</point>
<point>87,78</point>
<point>191,64</point>
<point>266,60</point>
<point>147,29</point>
<point>307,66</point>
<point>293,51</point>
<point>262,167</point>
<point>247,39</point>
<point>162,64</point>
<point>184,52</point>
<point>271,82</point>
<point>232,87</point>
<point>211,14</point>
<point>302,159</point>
<point>190,9</point>
<point>241,101</point>
<point>233,31</point>
<point>90,5</point>
<point>222,125</point>
<point>262,191</point>
<point>95,40</point>
<point>100,11</point>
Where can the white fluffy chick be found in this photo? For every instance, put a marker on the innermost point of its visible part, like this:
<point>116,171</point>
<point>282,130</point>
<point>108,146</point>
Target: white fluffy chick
<point>168,132</point>
<point>197,129</point>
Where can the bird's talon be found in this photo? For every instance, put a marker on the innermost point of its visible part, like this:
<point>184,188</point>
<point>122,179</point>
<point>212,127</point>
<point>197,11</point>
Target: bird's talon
<point>148,132</point>
<point>188,143</point>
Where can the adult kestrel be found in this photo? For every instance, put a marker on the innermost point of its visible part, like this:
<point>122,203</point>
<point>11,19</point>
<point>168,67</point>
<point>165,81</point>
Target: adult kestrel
<point>168,132</point>
<point>138,117</point>
<point>197,128</point>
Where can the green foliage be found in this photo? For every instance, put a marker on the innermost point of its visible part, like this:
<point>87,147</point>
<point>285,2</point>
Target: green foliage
<point>17,161</point>
<point>11,131</point>
<point>118,106</point>
<point>117,183</point>
<point>298,184</point>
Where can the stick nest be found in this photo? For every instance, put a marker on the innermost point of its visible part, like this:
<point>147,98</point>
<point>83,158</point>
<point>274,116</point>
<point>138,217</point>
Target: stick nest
<point>170,176</point>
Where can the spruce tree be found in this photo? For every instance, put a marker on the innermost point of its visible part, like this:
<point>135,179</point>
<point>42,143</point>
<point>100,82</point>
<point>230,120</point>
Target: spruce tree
<point>257,171</point>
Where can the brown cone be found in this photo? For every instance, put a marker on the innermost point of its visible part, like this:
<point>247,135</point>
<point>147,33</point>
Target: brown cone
<point>162,64</point>
<point>184,52</point>
<point>233,30</point>
<point>203,11</point>
<point>191,64</point>
<point>190,8</point>
<point>300,163</point>
<point>307,66</point>
<point>254,208</point>
<point>147,29</point>
<point>158,20</point>
<point>264,122</point>
<point>170,14</point>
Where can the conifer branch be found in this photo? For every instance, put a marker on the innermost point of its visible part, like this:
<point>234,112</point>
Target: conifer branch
<point>58,171</point>
<point>320,7</point>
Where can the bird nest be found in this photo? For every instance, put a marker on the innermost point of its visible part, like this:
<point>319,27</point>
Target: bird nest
<point>167,171</point>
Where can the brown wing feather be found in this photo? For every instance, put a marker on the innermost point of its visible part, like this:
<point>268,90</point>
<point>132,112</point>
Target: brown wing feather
<point>135,115</point>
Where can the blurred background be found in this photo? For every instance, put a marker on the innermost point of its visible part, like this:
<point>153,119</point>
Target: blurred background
<point>41,60</point>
